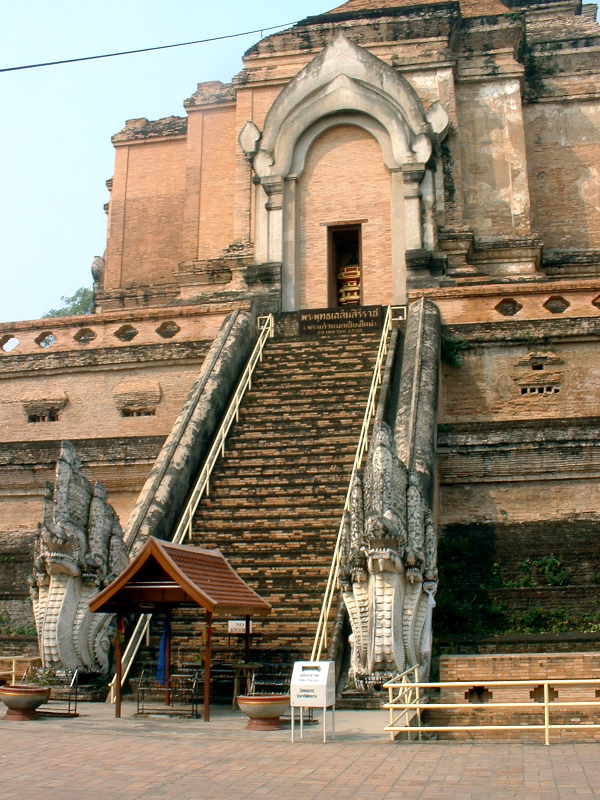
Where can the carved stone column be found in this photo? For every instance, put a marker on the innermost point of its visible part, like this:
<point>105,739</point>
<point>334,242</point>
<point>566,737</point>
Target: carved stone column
<point>412,175</point>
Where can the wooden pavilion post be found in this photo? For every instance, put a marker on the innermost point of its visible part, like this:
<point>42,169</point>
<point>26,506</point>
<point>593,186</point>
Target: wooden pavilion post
<point>207,666</point>
<point>247,641</point>
<point>119,665</point>
<point>168,614</point>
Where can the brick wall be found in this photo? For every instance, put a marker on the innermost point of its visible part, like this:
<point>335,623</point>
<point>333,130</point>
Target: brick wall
<point>496,193</point>
<point>144,237</point>
<point>477,698</point>
<point>563,152</point>
<point>16,559</point>
<point>122,465</point>
<point>216,167</point>
<point>345,179</point>
<point>489,383</point>
<point>535,577</point>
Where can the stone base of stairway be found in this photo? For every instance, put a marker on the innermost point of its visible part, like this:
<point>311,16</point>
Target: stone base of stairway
<point>352,698</point>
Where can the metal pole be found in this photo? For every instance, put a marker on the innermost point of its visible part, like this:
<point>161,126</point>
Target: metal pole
<point>207,667</point>
<point>119,660</point>
<point>546,714</point>
<point>247,644</point>
<point>168,658</point>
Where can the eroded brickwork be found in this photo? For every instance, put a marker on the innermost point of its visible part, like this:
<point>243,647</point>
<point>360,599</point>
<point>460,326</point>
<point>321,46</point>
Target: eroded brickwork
<point>464,138</point>
<point>345,180</point>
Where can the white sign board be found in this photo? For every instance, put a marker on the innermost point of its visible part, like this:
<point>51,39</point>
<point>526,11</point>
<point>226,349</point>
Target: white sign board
<point>237,626</point>
<point>313,684</point>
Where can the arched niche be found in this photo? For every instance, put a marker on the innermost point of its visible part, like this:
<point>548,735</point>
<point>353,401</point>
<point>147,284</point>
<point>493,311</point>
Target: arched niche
<point>344,84</point>
<point>344,199</point>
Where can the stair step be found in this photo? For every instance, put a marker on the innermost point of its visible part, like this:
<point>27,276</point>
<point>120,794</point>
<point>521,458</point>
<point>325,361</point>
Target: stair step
<point>277,494</point>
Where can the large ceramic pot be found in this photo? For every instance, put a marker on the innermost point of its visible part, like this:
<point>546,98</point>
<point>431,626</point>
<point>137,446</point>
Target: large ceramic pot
<point>264,710</point>
<point>22,701</point>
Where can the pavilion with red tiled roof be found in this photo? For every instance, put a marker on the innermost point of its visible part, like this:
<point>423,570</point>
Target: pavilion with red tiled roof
<point>163,576</point>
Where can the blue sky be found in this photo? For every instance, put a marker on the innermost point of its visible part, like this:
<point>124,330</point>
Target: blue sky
<point>55,150</point>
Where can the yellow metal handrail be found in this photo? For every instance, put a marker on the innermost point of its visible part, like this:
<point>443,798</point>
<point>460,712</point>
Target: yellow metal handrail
<point>266,327</point>
<point>363,442</point>
<point>406,696</point>
<point>266,331</point>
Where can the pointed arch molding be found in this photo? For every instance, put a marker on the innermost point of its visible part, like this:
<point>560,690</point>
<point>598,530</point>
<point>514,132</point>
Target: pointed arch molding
<point>343,85</point>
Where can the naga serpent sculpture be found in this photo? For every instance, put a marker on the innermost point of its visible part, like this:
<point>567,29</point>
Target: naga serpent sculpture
<point>388,573</point>
<point>388,557</point>
<point>79,550</point>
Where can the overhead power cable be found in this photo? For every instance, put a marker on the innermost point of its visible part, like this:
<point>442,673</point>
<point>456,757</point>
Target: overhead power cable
<point>145,49</point>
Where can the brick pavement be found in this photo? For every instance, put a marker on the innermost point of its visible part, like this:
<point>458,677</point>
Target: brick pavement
<point>98,757</point>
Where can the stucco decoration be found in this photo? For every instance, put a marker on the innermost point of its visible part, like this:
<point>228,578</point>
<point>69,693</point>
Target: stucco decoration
<point>438,118</point>
<point>344,85</point>
<point>371,85</point>
<point>79,551</point>
<point>98,268</point>
<point>388,562</point>
<point>249,138</point>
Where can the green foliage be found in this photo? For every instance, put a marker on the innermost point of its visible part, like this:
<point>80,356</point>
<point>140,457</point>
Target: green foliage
<point>536,70</point>
<point>81,303</point>
<point>6,628</point>
<point>450,350</point>
<point>539,620</point>
<point>545,571</point>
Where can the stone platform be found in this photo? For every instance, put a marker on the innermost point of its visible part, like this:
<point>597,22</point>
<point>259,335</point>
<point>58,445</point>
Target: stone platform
<point>98,756</point>
<point>476,670</point>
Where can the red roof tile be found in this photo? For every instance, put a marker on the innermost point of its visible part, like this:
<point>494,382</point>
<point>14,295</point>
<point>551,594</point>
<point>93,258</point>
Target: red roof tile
<point>165,574</point>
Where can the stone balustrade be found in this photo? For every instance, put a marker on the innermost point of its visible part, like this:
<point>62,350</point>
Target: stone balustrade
<point>497,303</point>
<point>109,330</point>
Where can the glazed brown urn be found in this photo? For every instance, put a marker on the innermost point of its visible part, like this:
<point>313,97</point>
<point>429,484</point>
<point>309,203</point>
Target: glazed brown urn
<point>264,710</point>
<point>22,701</point>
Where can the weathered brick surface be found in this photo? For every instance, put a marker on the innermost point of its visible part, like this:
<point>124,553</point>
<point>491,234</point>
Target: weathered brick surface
<point>148,191</point>
<point>121,464</point>
<point>563,149</point>
<point>520,471</point>
<point>345,180</point>
<point>277,495</point>
<point>489,384</point>
<point>16,560</point>
<point>476,670</point>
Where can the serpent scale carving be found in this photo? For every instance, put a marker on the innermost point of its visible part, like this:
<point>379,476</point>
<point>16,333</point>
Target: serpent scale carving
<point>388,560</point>
<point>79,551</point>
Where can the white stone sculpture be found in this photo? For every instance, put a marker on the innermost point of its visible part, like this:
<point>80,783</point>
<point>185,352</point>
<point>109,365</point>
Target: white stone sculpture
<point>388,567</point>
<point>388,559</point>
<point>79,550</point>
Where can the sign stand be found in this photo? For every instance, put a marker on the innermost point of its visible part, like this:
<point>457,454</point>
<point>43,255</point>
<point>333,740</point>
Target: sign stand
<point>313,686</point>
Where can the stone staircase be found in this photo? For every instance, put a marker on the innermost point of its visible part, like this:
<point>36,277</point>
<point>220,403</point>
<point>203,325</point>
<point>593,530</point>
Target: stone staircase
<point>277,495</point>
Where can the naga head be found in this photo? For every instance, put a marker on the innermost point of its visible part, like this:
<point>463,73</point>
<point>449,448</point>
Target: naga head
<point>358,567</point>
<point>414,573</point>
<point>60,550</point>
<point>384,559</point>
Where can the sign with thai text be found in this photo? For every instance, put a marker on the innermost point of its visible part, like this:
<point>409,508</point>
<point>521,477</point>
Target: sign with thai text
<point>313,684</point>
<point>321,321</point>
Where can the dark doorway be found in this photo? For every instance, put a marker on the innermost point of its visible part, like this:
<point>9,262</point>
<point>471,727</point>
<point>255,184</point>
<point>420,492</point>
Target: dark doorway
<point>345,263</point>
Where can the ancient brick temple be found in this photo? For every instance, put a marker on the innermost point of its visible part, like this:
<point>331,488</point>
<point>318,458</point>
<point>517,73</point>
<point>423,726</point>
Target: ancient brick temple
<point>440,156</point>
